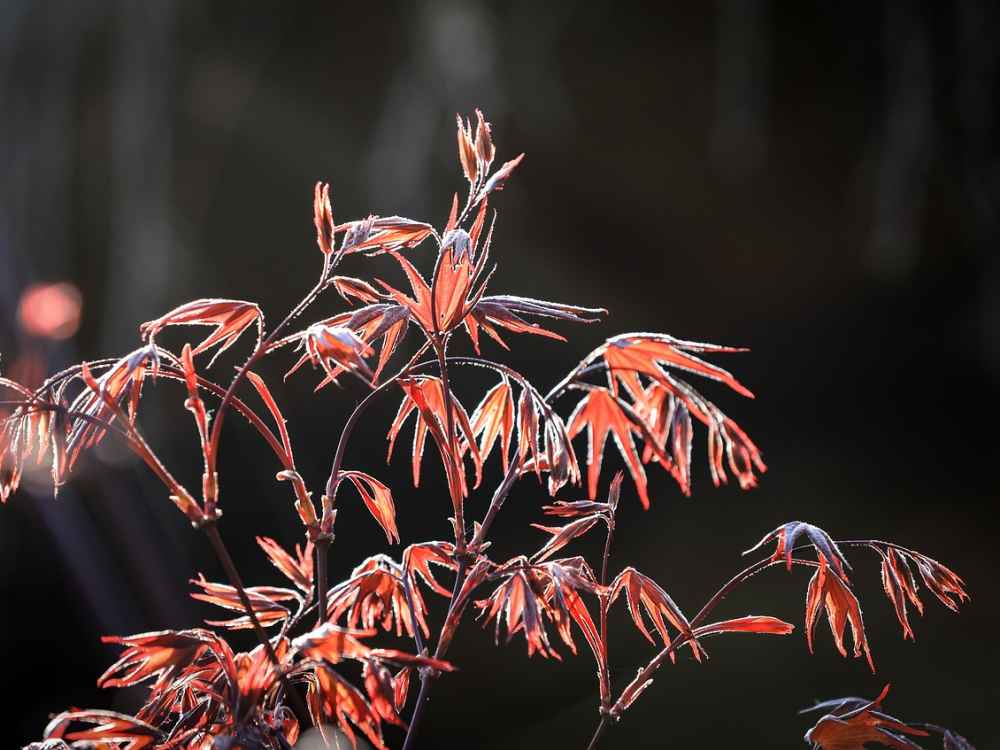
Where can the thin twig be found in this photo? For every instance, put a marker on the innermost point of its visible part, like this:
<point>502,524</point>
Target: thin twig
<point>333,480</point>
<point>440,347</point>
<point>262,349</point>
<point>628,694</point>
<point>418,711</point>
<point>418,639</point>
<point>425,675</point>
<point>499,495</point>
<point>322,550</point>
<point>353,419</point>
<point>221,551</point>
<point>598,733</point>
<point>603,668</point>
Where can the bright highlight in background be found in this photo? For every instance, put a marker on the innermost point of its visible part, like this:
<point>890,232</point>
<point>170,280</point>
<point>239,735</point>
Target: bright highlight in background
<point>50,311</point>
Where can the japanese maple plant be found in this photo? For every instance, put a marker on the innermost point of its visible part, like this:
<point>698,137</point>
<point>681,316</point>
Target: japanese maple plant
<point>635,387</point>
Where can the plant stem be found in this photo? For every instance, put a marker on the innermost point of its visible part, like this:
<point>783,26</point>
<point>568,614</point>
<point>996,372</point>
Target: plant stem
<point>418,639</point>
<point>418,711</point>
<point>440,348</point>
<point>597,733</point>
<point>425,675</point>
<point>607,554</point>
<point>497,501</point>
<point>222,552</point>
<point>645,674</point>
<point>322,546</point>
<point>677,642</point>
<point>603,668</point>
<point>499,495</point>
<point>322,550</point>
<point>261,350</point>
<point>354,418</point>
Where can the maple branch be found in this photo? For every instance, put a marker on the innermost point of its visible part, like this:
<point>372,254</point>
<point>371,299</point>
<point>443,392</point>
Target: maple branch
<point>322,551</point>
<point>499,495</point>
<point>34,405</point>
<point>352,420</point>
<point>737,580</point>
<point>222,553</point>
<point>208,524</point>
<point>137,443</point>
<point>418,711</point>
<point>425,675</point>
<point>238,404</point>
<point>514,471</point>
<point>418,639</point>
<point>603,725</point>
<point>338,459</point>
<point>603,668</point>
<point>440,347</point>
<point>171,371</point>
<point>262,347</point>
<point>631,691</point>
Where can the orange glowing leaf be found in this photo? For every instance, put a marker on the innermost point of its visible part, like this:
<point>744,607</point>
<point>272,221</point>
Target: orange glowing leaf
<point>499,178</point>
<point>230,318</point>
<point>417,559</point>
<point>162,655</point>
<point>425,396</point>
<point>109,728</point>
<point>644,591</point>
<point>516,603</point>
<point>376,235</point>
<point>330,696</point>
<point>494,418</point>
<point>506,311</point>
<point>601,414</point>
<point>350,288</point>
<point>419,304</point>
<point>378,499</point>
<point>381,693</point>
<point>375,595</point>
<point>265,601</point>
<point>323,218</point>
<point>900,584</point>
<point>563,535</point>
<point>828,590</point>
<point>298,569</point>
<point>333,644</point>
<point>279,419</point>
<point>467,151</point>
<point>648,353</point>
<point>748,624</point>
<point>852,724</point>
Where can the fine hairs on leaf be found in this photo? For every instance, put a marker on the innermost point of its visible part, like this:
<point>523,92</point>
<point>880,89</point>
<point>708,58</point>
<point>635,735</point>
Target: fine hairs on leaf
<point>363,654</point>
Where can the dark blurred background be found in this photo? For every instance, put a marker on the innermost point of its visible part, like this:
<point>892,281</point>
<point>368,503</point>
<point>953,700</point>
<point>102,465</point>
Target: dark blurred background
<point>817,183</point>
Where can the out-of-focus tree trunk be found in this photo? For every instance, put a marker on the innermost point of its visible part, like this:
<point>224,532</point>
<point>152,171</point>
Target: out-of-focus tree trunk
<point>907,142</point>
<point>743,62</point>
<point>142,235</point>
<point>976,101</point>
